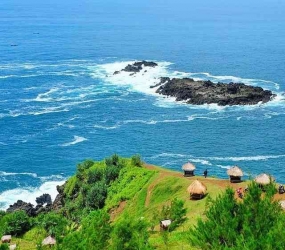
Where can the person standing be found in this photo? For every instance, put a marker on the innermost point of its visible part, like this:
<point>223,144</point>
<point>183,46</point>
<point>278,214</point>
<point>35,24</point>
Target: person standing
<point>206,173</point>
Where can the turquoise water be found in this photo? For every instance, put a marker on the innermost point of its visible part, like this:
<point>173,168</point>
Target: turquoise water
<point>58,106</point>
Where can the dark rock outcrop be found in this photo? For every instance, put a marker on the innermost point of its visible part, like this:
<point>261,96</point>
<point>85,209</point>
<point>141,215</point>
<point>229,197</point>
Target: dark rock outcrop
<point>44,204</point>
<point>137,67</point>
<point>204,92</point>
<point>22,206</point>
<point>59,199</point>
<point>44,199</point>
<point>207,92</point>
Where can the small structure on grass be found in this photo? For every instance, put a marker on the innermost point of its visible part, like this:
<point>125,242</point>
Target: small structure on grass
<point>282,204</point>
<point>49,241</point>
<point>6,239</point>
<point>235,174</point>
<point>263,179</point>
<point>188,169</point>
<point>12,247</point>
<point>197,190</point>
<point>164,224</point>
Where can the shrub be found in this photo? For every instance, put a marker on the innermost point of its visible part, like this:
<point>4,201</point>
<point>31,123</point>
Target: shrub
<point>136,161</point>
<point>112,173</point>
<point>4,247</point>
<point>54,224</point>
<point>95,175</point>
<point>94,234</point>
<point>97,195</point>
<point>16,223</point>
<point>256,223</point>
<point>130,234</point>
<point>177,213</point>
<point>82,167</point>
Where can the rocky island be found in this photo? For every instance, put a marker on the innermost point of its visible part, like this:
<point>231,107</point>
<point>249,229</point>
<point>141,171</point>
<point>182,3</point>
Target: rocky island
<point>203,92</point>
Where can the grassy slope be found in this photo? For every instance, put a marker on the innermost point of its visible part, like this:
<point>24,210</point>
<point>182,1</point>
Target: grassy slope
<point>142,192</point>
<point>164,186</point>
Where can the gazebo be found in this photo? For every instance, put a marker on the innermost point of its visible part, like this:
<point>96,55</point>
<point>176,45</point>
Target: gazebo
<point>263,179</point>
<point>188,169</point>
<point>49,241</point>
<point>282,204</point>
<point>164,224</point>
<point>235,174</point>
<point>197,190</point>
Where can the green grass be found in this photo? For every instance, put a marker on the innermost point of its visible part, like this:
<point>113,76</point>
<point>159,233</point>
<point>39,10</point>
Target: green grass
<point>137,184</point>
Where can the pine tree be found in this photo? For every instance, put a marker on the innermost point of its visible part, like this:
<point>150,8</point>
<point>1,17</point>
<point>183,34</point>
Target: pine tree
<point>254,223</point>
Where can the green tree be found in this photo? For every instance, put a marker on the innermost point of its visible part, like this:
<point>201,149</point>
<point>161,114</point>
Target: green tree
<point>16,223</point>
<point>136,161</point>
<point>97,195</point>
<point>131,234</point>
<point>177,213</point>
<point>94,234</point>
<point>95,175</point>
<point>4,247</point>
<point>254,223</point>
<point>54,224</point>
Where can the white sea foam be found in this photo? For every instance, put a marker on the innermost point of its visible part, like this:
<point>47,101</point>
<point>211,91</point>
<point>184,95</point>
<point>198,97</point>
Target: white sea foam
<point>247,158</point>
<point>143,80</point>
<point>3,173</point>
<point>28,194</point>
<point>77,139</point>
<point>212,158</point>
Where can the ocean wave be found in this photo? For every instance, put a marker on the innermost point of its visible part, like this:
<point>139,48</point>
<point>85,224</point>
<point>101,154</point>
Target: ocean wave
<point>3,173</point>
<point>212,158</point>
<point>28,194</point>
<point>246,158</point>
<point>77,139</point>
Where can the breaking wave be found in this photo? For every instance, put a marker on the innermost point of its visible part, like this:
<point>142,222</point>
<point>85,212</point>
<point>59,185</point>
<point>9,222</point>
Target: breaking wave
<point>77,139</point>
<point>28,194</point>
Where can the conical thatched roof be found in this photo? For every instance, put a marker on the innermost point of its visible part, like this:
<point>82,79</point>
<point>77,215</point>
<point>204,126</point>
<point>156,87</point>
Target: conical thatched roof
<point>235,171</point>
<point>263,179</point>
<point>188,166</point>
<point>49,241</point>
<point>197,187</point>
<point>282,204</point>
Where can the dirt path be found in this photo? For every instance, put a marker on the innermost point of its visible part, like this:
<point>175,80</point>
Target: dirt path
<point>118,210</point>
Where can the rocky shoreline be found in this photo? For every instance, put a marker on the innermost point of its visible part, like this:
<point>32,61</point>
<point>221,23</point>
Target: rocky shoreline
<point>203,92</point>
<point>44,204</point>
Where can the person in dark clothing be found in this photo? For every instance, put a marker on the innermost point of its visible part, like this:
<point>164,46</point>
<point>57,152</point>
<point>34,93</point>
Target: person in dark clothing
<point>206,173</point>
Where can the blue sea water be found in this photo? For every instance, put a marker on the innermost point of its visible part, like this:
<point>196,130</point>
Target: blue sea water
<point>59,103</point>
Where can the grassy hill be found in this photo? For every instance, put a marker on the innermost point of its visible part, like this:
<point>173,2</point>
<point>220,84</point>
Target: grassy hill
<point>133,189</point>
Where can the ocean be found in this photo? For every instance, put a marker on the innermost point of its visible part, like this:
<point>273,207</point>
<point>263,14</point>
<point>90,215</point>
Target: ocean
<point>60,103</point>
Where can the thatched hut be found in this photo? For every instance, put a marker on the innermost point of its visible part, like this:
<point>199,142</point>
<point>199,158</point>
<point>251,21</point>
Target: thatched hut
<point>164,224</point>
<point>197,190</point>
<point>282,204</point>
<point>49,241</point>
<point>235,174</point>
<point>188,169</point>
<point>6,239</point>
<point>12,247</point>
<point>263,179</point>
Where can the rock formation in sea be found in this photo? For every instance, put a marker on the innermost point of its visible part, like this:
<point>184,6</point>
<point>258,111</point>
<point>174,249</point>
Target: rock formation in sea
<point>204,92</point>
<point>44,204</point>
